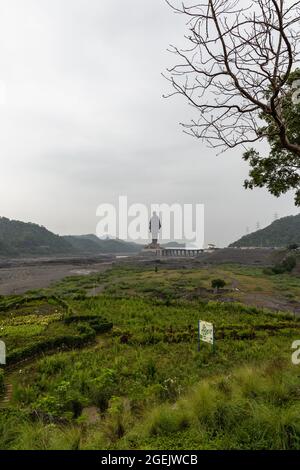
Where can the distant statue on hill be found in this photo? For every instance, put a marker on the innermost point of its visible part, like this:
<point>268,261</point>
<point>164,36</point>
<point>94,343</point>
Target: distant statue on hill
<point>154,228</point>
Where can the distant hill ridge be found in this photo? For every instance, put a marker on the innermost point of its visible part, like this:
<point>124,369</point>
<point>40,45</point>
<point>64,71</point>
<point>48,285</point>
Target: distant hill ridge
<point>280,233</point>
<point>92,244</point>
<point>25,238</point>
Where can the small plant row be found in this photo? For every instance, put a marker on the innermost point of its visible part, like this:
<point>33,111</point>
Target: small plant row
<point>16,302</point>
<point>59,342</point>
<point>84,331</point>
<point>98,323</point>
<point>157,335</point>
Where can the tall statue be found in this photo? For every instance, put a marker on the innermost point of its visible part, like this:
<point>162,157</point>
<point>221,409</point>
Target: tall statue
<point>154,228</point>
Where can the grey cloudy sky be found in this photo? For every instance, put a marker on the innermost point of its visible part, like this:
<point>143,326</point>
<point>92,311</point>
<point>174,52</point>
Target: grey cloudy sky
<point>84,121</point>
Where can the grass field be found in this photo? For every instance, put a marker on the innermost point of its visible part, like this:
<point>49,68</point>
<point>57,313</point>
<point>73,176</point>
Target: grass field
<point>121,370</point>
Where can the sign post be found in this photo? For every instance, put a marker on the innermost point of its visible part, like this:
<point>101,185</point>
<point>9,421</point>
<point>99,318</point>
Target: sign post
<point>206,333</point>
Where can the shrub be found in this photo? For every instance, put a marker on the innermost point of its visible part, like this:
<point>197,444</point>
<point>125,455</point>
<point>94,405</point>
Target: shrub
<point>150,369</point>
<point>170,389</point>
<point>10,423</point>
<point>118,419</point>
<point>63,341</point>
<point>218,284</point>
<point>275,428</point>
<point>165,420</point>
<point>293,246</point>
<point>203,403</point>
<point>286,266</point>
<point>268,271</point>
<point>98,323</point>
<point>51,365</point>
<point>41,436</point>
<point>102,387</point>
<point>24,394</point>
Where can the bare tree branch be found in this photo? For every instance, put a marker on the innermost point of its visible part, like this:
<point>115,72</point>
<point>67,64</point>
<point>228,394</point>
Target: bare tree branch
<point>236,67</point>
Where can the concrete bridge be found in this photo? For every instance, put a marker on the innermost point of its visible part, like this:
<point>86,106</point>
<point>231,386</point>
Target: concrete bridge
<point>179,252</point>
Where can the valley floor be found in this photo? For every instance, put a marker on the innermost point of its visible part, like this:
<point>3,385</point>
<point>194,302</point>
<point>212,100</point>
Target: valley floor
<point>109,360</point>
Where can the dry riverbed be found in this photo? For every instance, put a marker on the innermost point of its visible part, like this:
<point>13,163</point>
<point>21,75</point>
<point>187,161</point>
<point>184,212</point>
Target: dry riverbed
<point>19,276</point>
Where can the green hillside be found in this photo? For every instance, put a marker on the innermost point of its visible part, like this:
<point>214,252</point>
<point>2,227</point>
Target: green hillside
<point>92,244</point>
<point>28,239</point>
<point>173,245</point>
<point>280,233</point>
<point>21,238</point>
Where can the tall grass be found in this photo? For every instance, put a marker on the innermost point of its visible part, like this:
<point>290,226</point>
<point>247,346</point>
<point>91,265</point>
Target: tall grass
<point>247,410</point>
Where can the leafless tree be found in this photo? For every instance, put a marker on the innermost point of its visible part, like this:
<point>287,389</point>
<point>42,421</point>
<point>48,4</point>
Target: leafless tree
<point>236,67</point>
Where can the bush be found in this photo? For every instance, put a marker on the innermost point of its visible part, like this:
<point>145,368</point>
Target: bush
<point>118,419</point>
<point>286,266</point>
<point>268,271</point>
<point>41,436</point>
<point>164,421</point>
<point>51,365</point>
<point>203,404</point>
<point>102,388</point>
<point>10,423</point>
<point>293,246</point>
<point>218,284</point>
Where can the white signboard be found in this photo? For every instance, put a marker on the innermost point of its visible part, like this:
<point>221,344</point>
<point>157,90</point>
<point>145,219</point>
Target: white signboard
<point>206,332</point>
<point>2,353</point>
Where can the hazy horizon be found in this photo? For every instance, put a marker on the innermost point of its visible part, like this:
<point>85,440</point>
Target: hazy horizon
<point>84,121</point>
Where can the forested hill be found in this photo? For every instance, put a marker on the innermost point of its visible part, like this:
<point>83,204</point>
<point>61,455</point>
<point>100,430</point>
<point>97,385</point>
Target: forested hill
<point>281,233</point>
<point>27,239</point>
<point>92,244</point>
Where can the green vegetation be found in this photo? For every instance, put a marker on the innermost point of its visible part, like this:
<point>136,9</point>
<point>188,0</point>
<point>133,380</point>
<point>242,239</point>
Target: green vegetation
<point>142,384</point>
<point>281,233</point>
<point>285,266</point>
<point>42,323</point>
<point>252,408</point>
<point>23,239</point>
<point>218,283</point>
<point>93,245</point>
<point>279,170</point>
<point>1,381</point>
<point>28,239</point>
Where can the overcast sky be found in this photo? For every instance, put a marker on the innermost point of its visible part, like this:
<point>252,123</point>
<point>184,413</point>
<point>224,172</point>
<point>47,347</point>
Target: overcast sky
<point>84,121</point>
